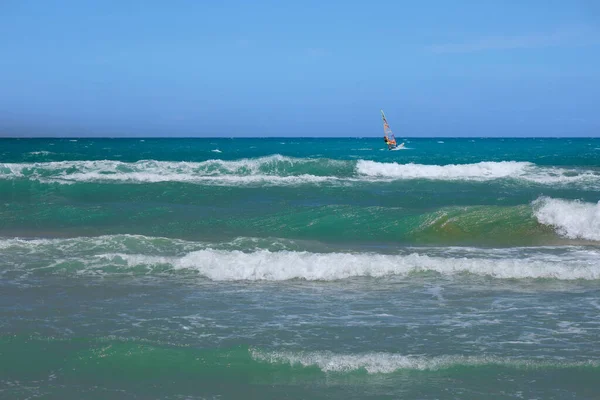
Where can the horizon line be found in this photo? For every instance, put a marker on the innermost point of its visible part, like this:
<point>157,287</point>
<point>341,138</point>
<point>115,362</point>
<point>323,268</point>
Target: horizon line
<point>296,137</point>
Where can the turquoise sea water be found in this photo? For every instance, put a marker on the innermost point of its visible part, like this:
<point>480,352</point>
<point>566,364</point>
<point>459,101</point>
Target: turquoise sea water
<point>299,268</point>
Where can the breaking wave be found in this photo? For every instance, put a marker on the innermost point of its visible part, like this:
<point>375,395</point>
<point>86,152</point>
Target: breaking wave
<point>137,357</point>
<point>282,170</point>
<point>483,171</point>
<point>141,255</point>
<point>276,170</point>
<point>571,218</point>
<point>220,265</point>
<point>385,363</point>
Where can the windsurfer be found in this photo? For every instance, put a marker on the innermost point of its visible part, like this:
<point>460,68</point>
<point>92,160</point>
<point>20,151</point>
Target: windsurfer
<point>390,143</point>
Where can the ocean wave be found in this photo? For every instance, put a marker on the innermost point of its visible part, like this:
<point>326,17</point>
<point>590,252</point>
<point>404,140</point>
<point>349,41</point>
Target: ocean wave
<point>275,170</point>
<point>63,247</point>
<point>281,170</point>
<point>140,255</point>
<point>571,218</point>
<point>135,357</point>
<point>264,265</point>
<point>483,171</point>
<point>385,227</point>
<point>385,363</point>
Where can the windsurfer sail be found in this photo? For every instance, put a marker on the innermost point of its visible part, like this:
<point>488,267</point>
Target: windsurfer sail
<point>389,137</point>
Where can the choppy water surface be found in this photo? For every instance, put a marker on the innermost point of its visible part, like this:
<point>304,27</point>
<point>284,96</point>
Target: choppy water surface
<point>299,268</point>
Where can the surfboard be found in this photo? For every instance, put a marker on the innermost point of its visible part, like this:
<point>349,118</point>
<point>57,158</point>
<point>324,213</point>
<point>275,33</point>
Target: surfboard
<point>399,147</point>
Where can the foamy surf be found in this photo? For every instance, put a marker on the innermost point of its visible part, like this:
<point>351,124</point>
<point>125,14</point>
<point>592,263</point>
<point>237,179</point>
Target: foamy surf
<point>264,265</point>
<point>482,171</point>
<point>385,363</point>
<point>573,219</point>
<point>124,255</point>
<point>282,170</point>
<point>270,170</point>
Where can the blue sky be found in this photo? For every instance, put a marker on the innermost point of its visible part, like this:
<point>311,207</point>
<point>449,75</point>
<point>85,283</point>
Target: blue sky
<point>303,68</point>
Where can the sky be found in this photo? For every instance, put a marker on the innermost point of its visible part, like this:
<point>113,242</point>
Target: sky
<point>299,68</point>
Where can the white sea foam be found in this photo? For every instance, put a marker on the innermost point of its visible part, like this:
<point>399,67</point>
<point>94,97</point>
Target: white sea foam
<point>266,265</point>
<point>385,363</point>
<point>225,180</point>
<point>62,248</point>
<point>274,170</point>
<point>224,265</point>
<point>227,263</point>
<point>281,170</point>
<point>482,171</point>
<point>571,218</point>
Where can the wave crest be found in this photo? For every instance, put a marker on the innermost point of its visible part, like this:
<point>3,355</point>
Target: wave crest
<point>482,171</point>
<point>275,169</point>
<point>220,265</point>
<point>478,171</point>
<point>385,363</point>
<point>571,218</point>
<point>140,255</point>
<point>281,170</point>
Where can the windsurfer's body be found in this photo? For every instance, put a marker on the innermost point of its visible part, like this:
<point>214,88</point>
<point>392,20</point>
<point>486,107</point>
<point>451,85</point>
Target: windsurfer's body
<point>391,143</point>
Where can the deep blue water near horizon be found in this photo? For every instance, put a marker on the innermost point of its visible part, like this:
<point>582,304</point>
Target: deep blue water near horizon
<point>545,150</point>
<point>457,268</point>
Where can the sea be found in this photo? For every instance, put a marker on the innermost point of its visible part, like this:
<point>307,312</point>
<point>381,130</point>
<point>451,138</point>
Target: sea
<point>299,268</point>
